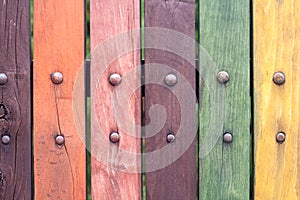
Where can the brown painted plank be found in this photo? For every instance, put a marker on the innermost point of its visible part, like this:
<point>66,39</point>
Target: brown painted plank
<point>170,175</point>
<point>15,107</point>
<point>114,172</point>
<point>59,170</point>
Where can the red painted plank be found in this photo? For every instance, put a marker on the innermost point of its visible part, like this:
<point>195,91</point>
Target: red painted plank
<point>114,172</point>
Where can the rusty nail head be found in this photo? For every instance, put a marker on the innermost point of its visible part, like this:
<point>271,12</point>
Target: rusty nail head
<point>115,79</point>
<point>5,139</point>
<point>279,78</point>
<point>3,79</point>
<point>223,77</point>
<point>60,140</point>
<point>57,78</point>
<point>171,79</point>
<point>280,137</point>
<point>170,137</point>
<point>227,137</point>
<point>114,137</point>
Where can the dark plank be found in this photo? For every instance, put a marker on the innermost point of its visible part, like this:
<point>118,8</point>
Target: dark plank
<point>115,166</point>
<point>15,106</point>
<point>170,167</point>
<point>225,41</point>
<point>59,169</point>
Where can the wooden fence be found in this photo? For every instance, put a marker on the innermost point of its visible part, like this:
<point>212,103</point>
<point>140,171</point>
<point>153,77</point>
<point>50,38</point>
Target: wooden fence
<point>184,99</point>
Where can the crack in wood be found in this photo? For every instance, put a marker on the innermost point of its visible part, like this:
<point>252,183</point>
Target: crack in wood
<point>64,145</point>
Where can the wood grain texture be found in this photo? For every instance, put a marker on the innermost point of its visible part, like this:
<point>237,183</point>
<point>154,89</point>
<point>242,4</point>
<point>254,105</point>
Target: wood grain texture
<point>177,179</point>
<point>115,174</point>
<point>15,106</point>
<point>225,36</point>
<point>59,171</point>
<point>277,48</point>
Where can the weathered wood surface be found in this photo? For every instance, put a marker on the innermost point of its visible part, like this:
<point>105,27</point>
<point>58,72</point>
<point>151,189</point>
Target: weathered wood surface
<point>59,170</point>
<point>164,179</point>
<point>115,173</point>
<point>15,106</point>
<point>225,38</point>
<point>276,48</point>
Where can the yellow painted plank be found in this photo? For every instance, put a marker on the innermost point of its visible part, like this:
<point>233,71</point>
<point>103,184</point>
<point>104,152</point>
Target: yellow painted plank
<point>276,107</point>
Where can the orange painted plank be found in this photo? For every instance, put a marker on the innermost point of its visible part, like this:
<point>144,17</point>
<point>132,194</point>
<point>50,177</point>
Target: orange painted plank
<point>115,166</point>
<point>277,48</point>
<point>59,170</point>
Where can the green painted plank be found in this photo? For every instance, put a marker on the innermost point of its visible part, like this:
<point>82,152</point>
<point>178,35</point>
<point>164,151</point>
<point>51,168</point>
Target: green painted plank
<point>225,44</point>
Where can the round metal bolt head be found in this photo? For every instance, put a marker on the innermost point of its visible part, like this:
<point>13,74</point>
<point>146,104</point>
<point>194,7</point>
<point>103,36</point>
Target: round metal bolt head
<point>280,137</point>
<point>171,79</point>
<point>223,77</point>
<point>57,77</point>
<point>5,139</point>
<point>227,137</point>
<point>279,78</point>
<point>3,79</point>
<point>114,137</point>
<point>60,140</point>
<point>115,79</point>
<point>170,137</point>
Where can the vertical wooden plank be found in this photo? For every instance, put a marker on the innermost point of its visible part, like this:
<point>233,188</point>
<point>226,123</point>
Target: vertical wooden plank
<point>15,106</point>
<point>164,179</point>
<point>225,38</point>
<point>59,170</point>
<point>115,166</point>
<point>276,48</point>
